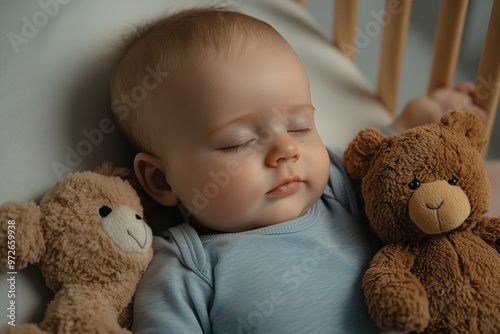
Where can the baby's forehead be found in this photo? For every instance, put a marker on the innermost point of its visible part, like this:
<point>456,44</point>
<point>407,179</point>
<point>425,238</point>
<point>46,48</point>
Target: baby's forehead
<point>161,52</point>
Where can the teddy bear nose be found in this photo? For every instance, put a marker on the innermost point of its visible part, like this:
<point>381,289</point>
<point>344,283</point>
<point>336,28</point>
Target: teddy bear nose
<point>104,211</point>
<point>438,206</point>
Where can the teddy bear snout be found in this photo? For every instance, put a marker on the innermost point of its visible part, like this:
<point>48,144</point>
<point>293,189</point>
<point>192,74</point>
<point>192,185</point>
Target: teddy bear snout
<point>437,207</point>
<point>126,228</point>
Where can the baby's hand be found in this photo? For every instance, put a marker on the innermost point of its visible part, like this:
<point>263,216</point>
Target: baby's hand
<point>461,97</point>
<point>430,109</point>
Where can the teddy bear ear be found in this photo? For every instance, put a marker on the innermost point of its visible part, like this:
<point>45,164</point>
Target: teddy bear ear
<point>468,124</point>
<point>107,168</point>
<point>360,152</point>
<point>21,235</point>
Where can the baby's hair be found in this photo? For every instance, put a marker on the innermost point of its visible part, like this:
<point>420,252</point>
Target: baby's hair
<point>157,49</point>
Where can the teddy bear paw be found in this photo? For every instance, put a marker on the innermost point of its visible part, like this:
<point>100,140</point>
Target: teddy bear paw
<point>407,315</point>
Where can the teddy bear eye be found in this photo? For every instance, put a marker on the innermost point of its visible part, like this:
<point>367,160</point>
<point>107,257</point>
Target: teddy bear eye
<point>453,181</point>
<point>413,185</point>
<point>138,217</point>
<point>104,211</point>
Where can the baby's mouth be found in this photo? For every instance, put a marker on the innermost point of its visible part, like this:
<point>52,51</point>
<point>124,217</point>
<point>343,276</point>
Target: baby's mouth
<point>286,187</point>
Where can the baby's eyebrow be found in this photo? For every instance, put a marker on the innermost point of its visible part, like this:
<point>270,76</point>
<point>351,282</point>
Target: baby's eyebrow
<point>300,107</point>
<point>294,110</point>
<point>224,124</point>
<point>286,111</point>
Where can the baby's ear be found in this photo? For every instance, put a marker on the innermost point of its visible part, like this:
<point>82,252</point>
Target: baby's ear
<point>360,152</point>
<point>152,178</point>
<point>468,124</point>
<point>21,235</point>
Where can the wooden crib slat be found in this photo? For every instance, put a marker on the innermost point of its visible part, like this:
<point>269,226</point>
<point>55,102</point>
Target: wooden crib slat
<point>345,14</point>
<point>447,42</point>
<point>488,76</point>
<point>449,30</point>
<point>392,51</point>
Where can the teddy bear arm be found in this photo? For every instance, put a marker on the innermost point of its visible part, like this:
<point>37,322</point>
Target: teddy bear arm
<point>395,298</point>
<point>489,230</point>
<point>21,230</point>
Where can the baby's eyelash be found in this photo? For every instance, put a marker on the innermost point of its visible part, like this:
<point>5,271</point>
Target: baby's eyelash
<point>236,148</point>
<point>301,131</point>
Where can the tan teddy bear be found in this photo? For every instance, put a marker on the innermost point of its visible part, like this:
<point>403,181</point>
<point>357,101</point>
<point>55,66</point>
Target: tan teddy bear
<point>426,192</point>
<point>91,244</point>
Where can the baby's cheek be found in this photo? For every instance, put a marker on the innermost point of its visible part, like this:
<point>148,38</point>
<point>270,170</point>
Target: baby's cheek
<point>319,167</point>
<point>240,193</point>
<point>224,195</point>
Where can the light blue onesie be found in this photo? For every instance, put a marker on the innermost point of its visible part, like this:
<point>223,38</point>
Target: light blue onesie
<point>299,276</point>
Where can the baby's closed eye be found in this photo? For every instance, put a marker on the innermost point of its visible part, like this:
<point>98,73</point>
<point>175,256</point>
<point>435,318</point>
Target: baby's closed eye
<point>238,147</point>
<point>300,125</point>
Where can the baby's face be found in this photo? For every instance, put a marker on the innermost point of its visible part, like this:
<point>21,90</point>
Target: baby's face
<point>242,150</point>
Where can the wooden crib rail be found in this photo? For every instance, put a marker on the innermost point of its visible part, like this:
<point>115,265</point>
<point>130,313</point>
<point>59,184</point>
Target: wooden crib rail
<point>344,23</point>
<point>447,42</point>
<point>488,76</point>
<point>449,29</point>
<point>392,51</point>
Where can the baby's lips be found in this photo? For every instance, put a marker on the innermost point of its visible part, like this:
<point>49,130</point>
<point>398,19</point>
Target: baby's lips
<point>286,187</point>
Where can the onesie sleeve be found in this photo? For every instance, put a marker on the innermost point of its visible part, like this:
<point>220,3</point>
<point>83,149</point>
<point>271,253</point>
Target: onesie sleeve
<point>348,192</point>
<point>174,295</point>
<point>342,186</point>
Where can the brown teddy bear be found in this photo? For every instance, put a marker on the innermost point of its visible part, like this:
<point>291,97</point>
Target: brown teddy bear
<point>91,244</point>
<point>426,192</point>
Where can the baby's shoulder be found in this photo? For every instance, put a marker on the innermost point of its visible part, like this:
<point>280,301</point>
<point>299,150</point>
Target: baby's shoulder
<point>180,243</point>
<point>340,186</point>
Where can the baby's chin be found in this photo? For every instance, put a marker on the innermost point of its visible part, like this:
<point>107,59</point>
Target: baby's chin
<point>257,218</point>
<point>257,224</point>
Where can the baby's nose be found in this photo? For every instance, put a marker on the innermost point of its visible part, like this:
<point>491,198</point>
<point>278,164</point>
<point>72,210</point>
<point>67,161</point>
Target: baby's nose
<point>282,149</point>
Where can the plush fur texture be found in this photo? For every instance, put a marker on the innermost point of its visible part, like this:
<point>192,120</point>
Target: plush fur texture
<point>426,191</point>
<point>91,274</point>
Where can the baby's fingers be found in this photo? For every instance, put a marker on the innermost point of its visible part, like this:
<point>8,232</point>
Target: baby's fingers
<point>466,88</point>
<point>468,104</point>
